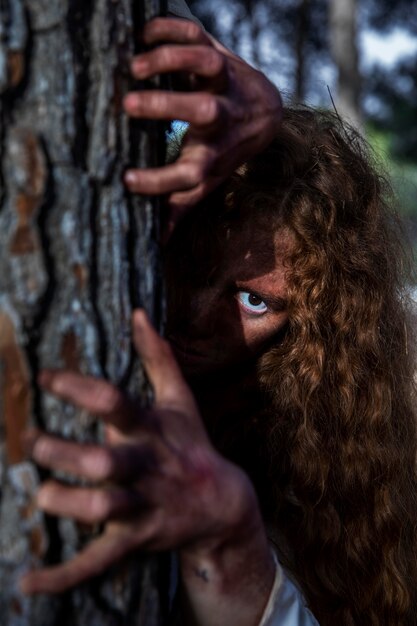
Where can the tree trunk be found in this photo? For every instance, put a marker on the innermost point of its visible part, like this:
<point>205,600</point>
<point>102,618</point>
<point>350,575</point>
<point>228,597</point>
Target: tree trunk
<point>300,49</point>
<point>76,256</point>
<point>344,50</point>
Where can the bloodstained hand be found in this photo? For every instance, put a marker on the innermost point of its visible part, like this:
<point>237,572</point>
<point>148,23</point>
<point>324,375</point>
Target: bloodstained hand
<point>157,483</point>
<point>233,112</point>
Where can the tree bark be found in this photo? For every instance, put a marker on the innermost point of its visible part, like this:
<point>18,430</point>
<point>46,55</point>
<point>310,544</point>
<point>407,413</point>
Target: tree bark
<point>344,51</point>
<point>76,256</point>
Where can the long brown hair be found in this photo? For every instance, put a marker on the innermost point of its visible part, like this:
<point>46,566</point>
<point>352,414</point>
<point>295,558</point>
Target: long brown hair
<point>341,437</point>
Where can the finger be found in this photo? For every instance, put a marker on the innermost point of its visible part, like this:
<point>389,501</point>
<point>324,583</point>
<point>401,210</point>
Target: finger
<point>98,556</point>
<point>190,170</point>
<point>181,202</point>
<point>174,30</point>
<point>95,395</point>
<point>160,180</point>
<point>161,367</point>
<point>88,505</point>
<point>92,462</point>
<point>200,60</point>
<point>201,109</point>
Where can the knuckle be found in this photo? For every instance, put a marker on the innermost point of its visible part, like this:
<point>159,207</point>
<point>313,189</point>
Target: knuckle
<point>107,397</point>
<point>209,109</point>
<point>100,505</point>
<point>214,61</point>
<point>193,173</point>
<point>192,30</point>
<point>157,102</point>
<point>102,464</point>
<point>164,55</point>
<point>45,495</point>
<point>42,451</point>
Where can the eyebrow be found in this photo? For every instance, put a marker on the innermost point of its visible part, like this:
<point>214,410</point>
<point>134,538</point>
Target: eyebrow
<point>278,303</point>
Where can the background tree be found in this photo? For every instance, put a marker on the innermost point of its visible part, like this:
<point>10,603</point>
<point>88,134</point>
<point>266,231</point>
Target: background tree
<point>288,39</point>
<point>76,256</point>
<point>308,48</point>
<point>344,52</point>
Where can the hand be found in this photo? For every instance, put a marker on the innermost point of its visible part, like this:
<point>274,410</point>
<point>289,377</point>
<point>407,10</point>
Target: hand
<point>233,112</point>
<point>157,483</point>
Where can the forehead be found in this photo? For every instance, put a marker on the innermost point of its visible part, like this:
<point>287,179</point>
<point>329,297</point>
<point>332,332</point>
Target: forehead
<point>220,248</point>
<point>252,248</point>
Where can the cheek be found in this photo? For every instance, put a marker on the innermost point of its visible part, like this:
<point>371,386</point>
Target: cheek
<point>214,319</point>
<point>258,332</point>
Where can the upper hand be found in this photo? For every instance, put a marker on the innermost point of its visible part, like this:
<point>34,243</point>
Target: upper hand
<point>156,484</point>
<point>234,111</point>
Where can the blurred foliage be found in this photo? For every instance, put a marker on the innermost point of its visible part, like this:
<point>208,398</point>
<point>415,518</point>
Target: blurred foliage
<point>403,175</point>
<point>385,14</point>
<point>396,92</point>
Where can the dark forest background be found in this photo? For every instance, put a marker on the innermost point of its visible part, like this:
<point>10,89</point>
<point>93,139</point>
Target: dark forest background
<point>311,50</point>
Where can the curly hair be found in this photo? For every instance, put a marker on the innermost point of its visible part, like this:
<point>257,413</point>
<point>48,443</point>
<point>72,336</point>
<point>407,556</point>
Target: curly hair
<point>341,437</point>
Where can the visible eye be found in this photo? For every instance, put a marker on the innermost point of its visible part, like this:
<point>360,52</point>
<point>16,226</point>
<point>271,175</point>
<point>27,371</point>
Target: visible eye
<point>251,303</point>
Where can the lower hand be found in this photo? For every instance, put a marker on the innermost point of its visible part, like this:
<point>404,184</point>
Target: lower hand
<point>157,483</point>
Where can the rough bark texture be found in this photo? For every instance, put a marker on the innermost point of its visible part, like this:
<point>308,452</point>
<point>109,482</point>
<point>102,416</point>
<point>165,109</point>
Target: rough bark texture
<point>76,255</point>
<point>344,51</point>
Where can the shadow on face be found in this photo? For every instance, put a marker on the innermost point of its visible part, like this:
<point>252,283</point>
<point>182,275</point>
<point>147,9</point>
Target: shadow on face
<point>227,291</point>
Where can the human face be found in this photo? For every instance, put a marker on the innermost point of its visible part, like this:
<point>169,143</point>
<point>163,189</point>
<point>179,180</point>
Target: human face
<point>237,306</point>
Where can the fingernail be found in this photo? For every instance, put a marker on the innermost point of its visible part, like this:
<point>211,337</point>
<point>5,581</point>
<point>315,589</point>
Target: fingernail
<point>42,499</point>
<point>139,319</point>
<point>130,177</point>
<point>140,67</point>
<point>130,101</point>
<point>24,584</point>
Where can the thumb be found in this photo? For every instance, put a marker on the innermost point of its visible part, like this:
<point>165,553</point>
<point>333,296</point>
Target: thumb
<point>170,389</point>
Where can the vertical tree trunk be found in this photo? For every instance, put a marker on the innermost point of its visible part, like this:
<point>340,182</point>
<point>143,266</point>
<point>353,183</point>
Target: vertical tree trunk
<point>254,30</point>
<point>300,49</point>
<point>76,255</point>
<point>344,50</point>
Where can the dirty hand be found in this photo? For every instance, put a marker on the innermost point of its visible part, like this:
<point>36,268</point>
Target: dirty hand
<point>232,109</point>
<point>156,484</point>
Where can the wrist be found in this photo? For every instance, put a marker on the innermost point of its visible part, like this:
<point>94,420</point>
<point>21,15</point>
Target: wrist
<point>227,585</point>
<point>227,576</point>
